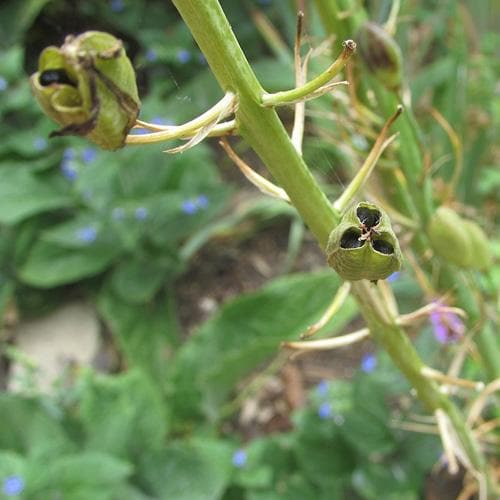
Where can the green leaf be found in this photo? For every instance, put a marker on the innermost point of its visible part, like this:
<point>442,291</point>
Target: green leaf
<point>137,281</point>
<point>323,455</point>
<point>23,195</point>
<point>11,464</point>
<point>388,481</point>
<point>74,474</point>
<point>123,415</point>
<point>145,333</point>
<point>50,265</point>
<point>26,426</point>
<point>189,470</point>
<point>246,332</point>
<point>365,426</point>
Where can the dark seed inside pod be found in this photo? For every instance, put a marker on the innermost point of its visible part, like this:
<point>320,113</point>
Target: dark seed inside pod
<point>383,247</point>
<point>370,218</point>
<point>50,76</point>
<point>350,239</point>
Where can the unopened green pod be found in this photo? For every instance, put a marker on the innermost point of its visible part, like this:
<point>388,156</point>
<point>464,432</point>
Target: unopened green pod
<point>479,246</point>
<point>449,237</point>
<point>88,87</point>
<point>381,54</point>
<point>363,245</point>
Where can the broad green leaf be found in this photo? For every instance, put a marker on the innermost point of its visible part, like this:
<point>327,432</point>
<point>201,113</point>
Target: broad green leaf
<point>22,195</point>
<point>27,427</point>
<point>188,470</point>
<point>137,281</point>
<point>76,475</point>
<point>123,415</point>
<point>389,481</point>
<point>246,332</point>
<point>365,426</point>
<point>50,265</point>
<point>144,333</point>
<point>11,464</point>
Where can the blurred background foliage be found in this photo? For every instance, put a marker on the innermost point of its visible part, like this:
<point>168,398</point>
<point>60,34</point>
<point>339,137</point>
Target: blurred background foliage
<point>133,232</point>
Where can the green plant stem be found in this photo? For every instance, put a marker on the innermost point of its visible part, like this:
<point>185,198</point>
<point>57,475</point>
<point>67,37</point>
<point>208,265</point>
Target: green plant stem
<point>418,185</point>
<point>263,130</point>
<point>298,93</point>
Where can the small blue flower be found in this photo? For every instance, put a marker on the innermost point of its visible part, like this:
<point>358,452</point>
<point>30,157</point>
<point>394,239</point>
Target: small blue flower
<point>3,84</point>
<point>151,55</point>
<point>68,170</point>
<point>369,362</point>
<point>89,154</point>
<point>139,131</point>
<point>13,485</point>
<point>239,458</point>
<point>69,154</point>
<point>116,5</point>
<point>325,411</point>
<point>322,388</point>
<point>183,56</point>
<point>118,213</point>
<point>40,143</point>
<point>159,120</point>
<point>202,201</point>
<point>141,213</point>
<point>189,207</point>
<point>394,277</point>
<point>87,234</point>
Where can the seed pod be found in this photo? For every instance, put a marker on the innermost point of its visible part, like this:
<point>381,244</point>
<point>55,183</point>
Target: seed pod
<point>481,256</point>
<point>381,54</point>
<point>449,238</point>
<point>88,86</point>
<point>363,245</point>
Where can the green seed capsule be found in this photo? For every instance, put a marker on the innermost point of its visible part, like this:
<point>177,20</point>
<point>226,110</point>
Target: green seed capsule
<point>481,256</point>
<point>88,86</point>
<point>459,241</point>
<point>381,54</point>
<point>449,238</point>
<point>363,245</point>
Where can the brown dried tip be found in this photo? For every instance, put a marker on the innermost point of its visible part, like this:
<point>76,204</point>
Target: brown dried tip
<point>349,45</point>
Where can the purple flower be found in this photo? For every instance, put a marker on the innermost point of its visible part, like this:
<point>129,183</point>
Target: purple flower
<point>447,326</point>
<point>87,234</point>
<point>116,5</point>
<point>393,277</point>
<point>13,485</point>
<point>239,458</point>
<point>189,207</point>
<point>151,55</point>
<point>141,213</point>
<point>183,56</point>
<point>3,84</point>
<point>40,143</point>
<point>89,154</point>
<point>322,388</point>
<point>68,170</point>
<point>325,411</point>
<point>368,362</point>
<point>118,213</point>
